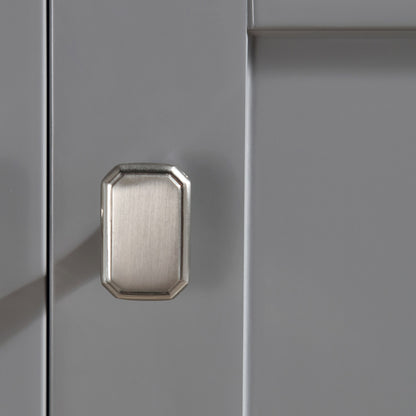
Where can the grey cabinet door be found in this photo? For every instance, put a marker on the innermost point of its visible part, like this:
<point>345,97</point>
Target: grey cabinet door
<point>22,208</point>
<point>157,81</point>
<point>300,147</point>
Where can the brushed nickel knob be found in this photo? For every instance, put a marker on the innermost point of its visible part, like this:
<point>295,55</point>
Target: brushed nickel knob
<point>145,220</point>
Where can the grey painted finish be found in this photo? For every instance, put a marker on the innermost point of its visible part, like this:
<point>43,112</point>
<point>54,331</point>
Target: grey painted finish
<point>334,234</point>
<point>22,209</point>
<point>21,145</point>
<point>333,13</point>
<point>159,81</point>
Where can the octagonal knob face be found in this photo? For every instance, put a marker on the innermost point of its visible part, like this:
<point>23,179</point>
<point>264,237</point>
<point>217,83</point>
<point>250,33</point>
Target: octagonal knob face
<point>145,218</point>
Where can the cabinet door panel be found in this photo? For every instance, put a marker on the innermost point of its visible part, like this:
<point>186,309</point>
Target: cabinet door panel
<point>159,82</point>
<point>22,208</point>
<point>334,234</point>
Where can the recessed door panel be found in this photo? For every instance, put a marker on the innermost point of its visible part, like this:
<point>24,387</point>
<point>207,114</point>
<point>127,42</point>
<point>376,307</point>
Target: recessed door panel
<point>334,234</point>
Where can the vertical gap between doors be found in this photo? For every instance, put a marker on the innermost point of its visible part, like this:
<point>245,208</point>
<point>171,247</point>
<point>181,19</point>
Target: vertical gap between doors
<point>48,133</point>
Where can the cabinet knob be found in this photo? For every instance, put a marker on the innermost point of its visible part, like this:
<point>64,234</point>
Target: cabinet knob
<point>145,221</point>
